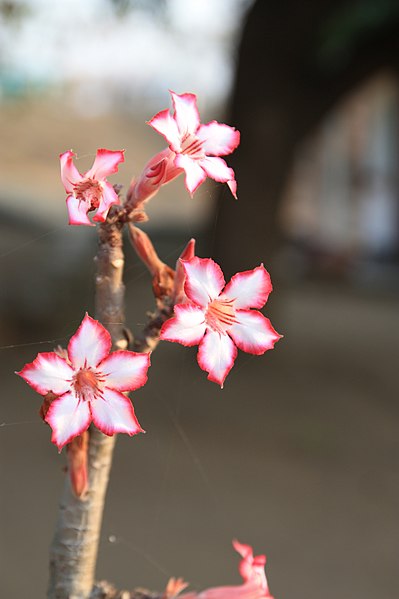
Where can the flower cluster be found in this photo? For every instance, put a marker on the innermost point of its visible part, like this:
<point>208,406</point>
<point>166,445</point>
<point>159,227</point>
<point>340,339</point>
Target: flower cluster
<point>219,318</point>
<point>194,149</point>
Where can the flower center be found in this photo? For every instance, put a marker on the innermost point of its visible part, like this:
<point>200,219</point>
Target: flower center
<point>192,146</point>
<point>90,191</point>
<point>220,315</point>
<point>87,384</point>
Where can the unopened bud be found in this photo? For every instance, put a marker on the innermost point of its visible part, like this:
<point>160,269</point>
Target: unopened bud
<point>162,274</point>
<point>144,249</point>
<point>179,297</point>
<point>77,454</point>
<point>158,171</point>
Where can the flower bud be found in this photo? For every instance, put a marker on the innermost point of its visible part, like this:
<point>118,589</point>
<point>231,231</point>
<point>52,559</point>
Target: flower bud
<point>179,297</point>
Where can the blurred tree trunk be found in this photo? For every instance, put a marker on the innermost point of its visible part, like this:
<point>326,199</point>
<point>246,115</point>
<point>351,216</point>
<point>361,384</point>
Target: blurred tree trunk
<point>296,59</point>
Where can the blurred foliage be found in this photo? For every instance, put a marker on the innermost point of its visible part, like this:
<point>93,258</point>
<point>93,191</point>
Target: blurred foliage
<point>12,10</point>
<point>352,24</point>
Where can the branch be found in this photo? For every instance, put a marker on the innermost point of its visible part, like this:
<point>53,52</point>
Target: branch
<point>74,549</point>
<point>148,339</point>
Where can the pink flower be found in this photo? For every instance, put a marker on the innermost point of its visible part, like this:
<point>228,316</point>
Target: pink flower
<point>218,317</point>
<point>252,570</point>
<point>197,147</point>
<point>89,384</point>
<point>90,191</point>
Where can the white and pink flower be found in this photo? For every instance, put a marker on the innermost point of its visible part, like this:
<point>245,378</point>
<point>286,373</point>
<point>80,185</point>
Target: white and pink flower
<point>218,316</point>
<point>89,385</point>
<point>252,570</point>
<point>197,148</point>
<point>90,191</point>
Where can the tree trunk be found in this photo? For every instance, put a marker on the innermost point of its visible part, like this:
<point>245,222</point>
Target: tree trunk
<point>289,75</point>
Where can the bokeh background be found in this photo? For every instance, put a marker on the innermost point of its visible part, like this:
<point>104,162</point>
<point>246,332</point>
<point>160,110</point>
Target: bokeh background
<point>298,454</point>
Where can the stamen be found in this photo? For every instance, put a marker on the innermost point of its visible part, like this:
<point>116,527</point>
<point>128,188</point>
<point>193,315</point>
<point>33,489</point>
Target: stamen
<point>220,315</point>
<point>88,384</point>
<point>90,191</point>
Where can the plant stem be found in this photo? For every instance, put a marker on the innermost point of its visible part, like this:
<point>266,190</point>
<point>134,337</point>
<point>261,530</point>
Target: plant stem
<point>73,553</point>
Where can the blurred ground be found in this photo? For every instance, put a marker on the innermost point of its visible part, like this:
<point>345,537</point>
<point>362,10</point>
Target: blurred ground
<point>297,455</point>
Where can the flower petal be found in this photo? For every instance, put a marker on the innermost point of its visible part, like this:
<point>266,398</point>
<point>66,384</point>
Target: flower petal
<point>252,568</point>
<point>69,172</point>
<point>77,211</point>
<point>125,370</point>
<point>68,416</point>
<point>244,550</point>
<point>164,123</point>
<point>109,197</point>
<point>188,327</point>
<point>186,112</point>
<point>195,175</point>
<point>48,372</point>
<point>233,187</point>
<point>218,139</point>
<point>114,413</point>
<point>90,344</point>
<point>217,169</point>
<point>253,333</point>
<point>216,355</point>
<point>106,163</point>
<point>249,289</point>
<point>204,280</point>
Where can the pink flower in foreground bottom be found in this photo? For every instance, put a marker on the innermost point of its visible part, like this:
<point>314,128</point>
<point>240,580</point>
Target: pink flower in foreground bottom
<point>252,570</point>
<point>90,191</point>
<point>197,147</point>
<point>89,384</point>
<point>218,317</point>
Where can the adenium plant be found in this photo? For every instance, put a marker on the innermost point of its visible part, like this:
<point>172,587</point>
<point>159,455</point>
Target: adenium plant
<point>84,387</point>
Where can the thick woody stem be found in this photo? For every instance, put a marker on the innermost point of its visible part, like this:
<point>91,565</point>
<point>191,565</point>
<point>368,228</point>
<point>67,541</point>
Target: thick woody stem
<point>74,549</point>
